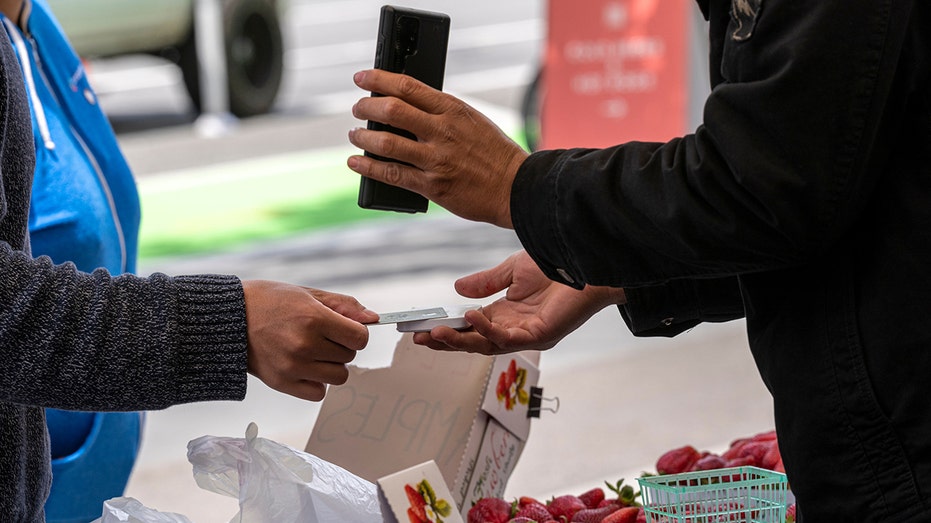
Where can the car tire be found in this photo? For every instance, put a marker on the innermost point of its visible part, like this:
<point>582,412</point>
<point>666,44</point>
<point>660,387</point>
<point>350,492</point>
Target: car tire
<point>254,57</point>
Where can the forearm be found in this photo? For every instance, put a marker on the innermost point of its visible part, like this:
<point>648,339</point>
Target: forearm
<point>91,342</point>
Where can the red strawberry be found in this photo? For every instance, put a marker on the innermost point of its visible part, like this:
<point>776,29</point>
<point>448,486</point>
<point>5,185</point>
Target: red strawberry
<point>624,515</point>
<point>780,467</point>
<point>765,436</point>
<point>736,463</point>
<point>489,510</point>
<point>417,504</point>
<point>565,506</point>
<point>756,450</point>
<point>522,519</point>
<point>709,462</point>
<point>527,500</point>
<point>742,461</point>
<point>535,511</point>
<point>594,515</point>
<point>734,449</point>
<point>790,513</point>
<point>772,457</point>
<point>677,460</point>
<point>592,497</point>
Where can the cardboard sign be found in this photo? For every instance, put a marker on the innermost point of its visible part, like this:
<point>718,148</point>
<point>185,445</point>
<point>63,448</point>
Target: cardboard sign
<point>427,406</point>
<point>494,464</point>
<point>507,397</point>
<point>615,71</point>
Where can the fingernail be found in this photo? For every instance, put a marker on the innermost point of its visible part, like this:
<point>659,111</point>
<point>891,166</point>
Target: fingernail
<point>358,77</point>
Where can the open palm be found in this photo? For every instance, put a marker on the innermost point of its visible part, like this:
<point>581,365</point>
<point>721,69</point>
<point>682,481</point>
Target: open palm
<point>535,313</point>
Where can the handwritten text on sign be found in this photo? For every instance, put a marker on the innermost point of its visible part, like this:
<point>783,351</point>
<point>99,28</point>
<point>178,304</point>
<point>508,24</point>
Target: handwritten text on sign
<point>615,71</point>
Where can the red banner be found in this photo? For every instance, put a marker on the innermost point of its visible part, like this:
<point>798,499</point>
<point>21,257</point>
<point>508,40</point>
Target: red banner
<point>615,71</point>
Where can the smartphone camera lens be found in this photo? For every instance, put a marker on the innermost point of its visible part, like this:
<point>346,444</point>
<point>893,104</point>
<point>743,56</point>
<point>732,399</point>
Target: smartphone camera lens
<point>409,30</point>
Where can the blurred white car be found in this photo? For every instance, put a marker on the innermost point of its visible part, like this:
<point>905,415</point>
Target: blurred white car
<point>252,34</point>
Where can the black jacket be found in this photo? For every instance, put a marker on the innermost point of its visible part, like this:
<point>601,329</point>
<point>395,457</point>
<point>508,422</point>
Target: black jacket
<point>803,202</point>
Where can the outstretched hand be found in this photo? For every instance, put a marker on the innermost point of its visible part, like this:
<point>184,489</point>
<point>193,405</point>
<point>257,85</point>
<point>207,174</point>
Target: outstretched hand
<point>535,313</point>
<point>460,159</point>
<point>300,339</point>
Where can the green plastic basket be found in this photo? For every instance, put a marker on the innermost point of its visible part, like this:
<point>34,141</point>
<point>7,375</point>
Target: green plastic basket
<point>738,494</point>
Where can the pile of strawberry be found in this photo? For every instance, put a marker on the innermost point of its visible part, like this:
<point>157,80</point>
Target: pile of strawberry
<point>760,450</point>
<point>592,506</point>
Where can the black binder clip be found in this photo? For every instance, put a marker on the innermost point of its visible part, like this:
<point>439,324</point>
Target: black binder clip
<point>536,402</point>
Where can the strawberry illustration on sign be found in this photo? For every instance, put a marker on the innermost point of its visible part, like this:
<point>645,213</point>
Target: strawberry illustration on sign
<point>510,390</point>
<point>512,386</point>
<point>425,507</point>
<point>418,494</point>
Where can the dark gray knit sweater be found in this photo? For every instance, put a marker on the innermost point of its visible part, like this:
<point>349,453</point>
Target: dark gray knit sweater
<point>81,341</point>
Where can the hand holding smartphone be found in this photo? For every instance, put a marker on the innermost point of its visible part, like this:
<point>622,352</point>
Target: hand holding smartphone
<point>411,42</point>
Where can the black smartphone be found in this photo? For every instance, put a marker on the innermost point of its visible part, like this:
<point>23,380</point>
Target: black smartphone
<point>412,42</point>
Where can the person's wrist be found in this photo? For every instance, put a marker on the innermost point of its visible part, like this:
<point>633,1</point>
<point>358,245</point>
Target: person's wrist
<point>517,159</point>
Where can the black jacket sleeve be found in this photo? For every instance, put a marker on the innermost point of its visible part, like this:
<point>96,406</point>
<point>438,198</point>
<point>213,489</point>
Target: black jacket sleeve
<point>677,306</point>
<point>777,173</point>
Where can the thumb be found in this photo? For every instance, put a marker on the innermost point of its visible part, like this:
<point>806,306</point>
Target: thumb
<point>345,305</point>
<point>485,283</point>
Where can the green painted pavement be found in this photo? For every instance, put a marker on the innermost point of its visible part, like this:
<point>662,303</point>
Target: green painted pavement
<point>225,206</point>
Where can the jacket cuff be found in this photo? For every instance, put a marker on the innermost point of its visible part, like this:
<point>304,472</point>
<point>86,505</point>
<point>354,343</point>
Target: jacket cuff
<point>665,310</point>
<point>534,205</point>
<point>679,305</point>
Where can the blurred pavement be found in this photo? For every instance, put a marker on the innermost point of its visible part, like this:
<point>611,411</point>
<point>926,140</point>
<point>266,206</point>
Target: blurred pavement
<point>623,401</point>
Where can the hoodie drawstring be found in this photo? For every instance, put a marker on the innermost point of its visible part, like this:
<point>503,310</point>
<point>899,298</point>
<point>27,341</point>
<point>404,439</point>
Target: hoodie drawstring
<point>23,53</point>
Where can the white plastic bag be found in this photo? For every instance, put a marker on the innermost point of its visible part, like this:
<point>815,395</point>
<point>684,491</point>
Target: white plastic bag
<point>276,483</point>
<point>128,510</point>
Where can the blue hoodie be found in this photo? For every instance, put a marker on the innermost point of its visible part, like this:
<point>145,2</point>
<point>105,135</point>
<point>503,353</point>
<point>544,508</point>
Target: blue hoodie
<point>84,194</point>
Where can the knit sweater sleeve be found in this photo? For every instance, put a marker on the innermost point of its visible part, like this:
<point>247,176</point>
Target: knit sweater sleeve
<point>91,341</point>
